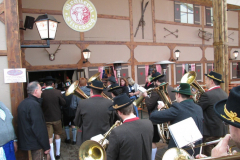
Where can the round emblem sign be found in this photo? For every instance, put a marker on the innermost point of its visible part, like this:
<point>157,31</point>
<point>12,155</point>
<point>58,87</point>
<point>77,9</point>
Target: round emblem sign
<point>80,15</point>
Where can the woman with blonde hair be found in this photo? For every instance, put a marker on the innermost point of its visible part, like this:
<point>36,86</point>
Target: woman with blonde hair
<point>133,88</point>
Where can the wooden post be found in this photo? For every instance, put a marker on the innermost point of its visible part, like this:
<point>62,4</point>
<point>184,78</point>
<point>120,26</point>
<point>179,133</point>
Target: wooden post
<point>14,59</point>
<point>220,41</point>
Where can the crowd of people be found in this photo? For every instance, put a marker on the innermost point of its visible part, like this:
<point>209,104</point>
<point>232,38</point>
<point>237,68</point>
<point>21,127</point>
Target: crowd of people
<point>46,111</point>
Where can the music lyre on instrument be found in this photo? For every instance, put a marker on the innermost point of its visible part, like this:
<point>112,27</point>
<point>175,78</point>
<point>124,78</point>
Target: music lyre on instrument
<point>91,149</point>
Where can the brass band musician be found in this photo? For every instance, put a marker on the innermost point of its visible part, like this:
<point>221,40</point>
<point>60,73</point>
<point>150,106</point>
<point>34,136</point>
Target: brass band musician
<point>151,104</point>
<point>228,110</point>
<point>131,140</point>
<point>92,115</point>
<point>213,128</point>
<point>183,109</point>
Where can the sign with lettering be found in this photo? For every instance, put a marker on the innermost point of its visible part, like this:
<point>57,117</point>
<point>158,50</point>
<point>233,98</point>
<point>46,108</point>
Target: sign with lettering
<point>80,15</point>
<point>16,75</point>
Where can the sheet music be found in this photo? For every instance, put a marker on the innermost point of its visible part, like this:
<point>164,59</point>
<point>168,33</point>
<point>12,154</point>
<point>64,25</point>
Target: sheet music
<point>185,132</point>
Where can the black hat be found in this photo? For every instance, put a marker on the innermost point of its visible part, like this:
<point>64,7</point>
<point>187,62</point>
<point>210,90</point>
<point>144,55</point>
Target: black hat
<point>49,78</point>
<point>113,87</point>
<point>215,76</point>
<point>120,101</point>
<point>95,85</point>
<point>184,88</point>
<point>228,110</point>
<point>155,76</point>
<point>112,79</point>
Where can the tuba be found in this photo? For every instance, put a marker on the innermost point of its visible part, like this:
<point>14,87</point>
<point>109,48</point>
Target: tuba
<point>163,128</point>
<point>91,149</point>
<point>190,78</point>
<point>74,89</point>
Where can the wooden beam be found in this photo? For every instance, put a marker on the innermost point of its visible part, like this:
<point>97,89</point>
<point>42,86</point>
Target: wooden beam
<point>131,20</point>
<point>153,21</point>
<point>26,42</point>
<point>14,59</point>
<point>3,52</point>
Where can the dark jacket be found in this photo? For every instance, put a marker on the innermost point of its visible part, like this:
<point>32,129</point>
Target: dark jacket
<point>67,110</point>
<point>213,126</point>
<point>131,141</point>
<point>32,130</point>
<point>178,112</point>
<point>51,105</point>
<point>93,117</point>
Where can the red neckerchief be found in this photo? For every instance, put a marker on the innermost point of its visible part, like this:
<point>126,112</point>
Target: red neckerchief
<point>132,119</point>
<point>149,84</point>
<point>214,88</point>
<point>96,96</point>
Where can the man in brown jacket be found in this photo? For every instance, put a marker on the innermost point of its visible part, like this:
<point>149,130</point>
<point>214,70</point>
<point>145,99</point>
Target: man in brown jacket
<point>51,106</point>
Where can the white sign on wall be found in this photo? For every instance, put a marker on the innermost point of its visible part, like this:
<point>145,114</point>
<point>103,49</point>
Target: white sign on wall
<point>16,75</point>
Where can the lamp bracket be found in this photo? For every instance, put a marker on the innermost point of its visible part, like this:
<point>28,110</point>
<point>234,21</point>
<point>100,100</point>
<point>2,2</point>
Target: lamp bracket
<point>37,46</point>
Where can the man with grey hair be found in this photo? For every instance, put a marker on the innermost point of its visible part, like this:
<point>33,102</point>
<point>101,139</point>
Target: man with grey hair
<point>32,130</point>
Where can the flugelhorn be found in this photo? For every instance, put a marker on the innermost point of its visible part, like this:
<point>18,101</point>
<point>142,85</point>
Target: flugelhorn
<point>91,149</point>
<point>75,89</point>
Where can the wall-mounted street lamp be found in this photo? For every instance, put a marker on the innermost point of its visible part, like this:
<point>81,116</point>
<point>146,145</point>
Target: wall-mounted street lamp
<point>177,53</point>
<point>86,55</point>
<point>235,54</point>
<point>47,28</point>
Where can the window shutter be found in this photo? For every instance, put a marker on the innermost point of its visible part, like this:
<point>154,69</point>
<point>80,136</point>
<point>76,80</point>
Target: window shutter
<point>235,70</point>
<point>196,14</point>
<point>198,70</point>
<point>124,72</point>
<point>178,73</point>
<point>177,17</point>
<point>208,16</point>
<point>209,67</point>
<point>141,75</point>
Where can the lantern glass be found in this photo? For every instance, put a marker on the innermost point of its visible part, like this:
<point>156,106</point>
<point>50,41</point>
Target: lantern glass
<point>177,53</point>
<point>235,54</point>
<point>86,53</point>
<point>52,29</point>
<point>42,27</point>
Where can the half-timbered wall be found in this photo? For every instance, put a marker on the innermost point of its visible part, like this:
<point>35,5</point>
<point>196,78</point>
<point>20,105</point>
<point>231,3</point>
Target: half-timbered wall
<point>112,39</point>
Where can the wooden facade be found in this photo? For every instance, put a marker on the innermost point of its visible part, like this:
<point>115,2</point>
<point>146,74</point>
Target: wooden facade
<point>112,39</point>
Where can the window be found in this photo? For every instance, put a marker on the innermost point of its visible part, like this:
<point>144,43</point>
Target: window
<point>209,16</point>
<point>235,70</point>
<point>186,13</point>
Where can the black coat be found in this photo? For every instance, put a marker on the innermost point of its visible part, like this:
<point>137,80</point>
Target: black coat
<point>93,118</point>
<point>213,126</point>
<point>131,141</point>
<point>178,112</point>
<point>32,130</point>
